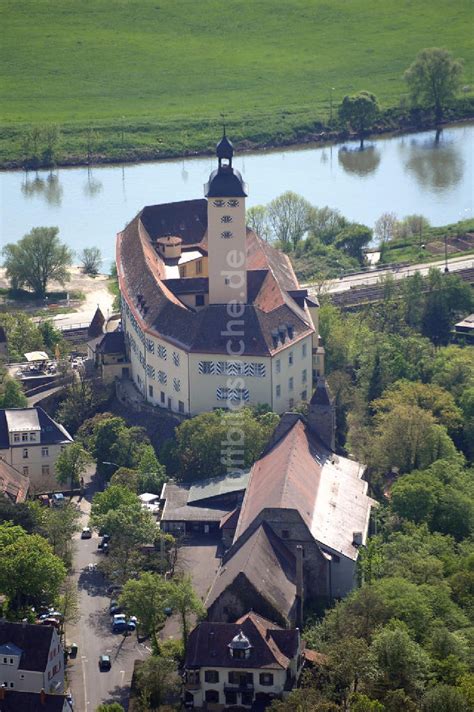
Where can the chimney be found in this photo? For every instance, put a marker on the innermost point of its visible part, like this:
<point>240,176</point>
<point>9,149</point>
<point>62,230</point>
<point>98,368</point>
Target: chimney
<point>357,539</point>
<point>43,697</point>
<point>299,586</point>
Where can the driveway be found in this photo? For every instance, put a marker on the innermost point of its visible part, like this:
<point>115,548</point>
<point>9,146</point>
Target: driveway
<point>92,633</point>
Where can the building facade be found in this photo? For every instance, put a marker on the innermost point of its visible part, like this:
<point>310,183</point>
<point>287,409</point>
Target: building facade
<point>31,441</point>
<point>250,661</point>
<point>213,316</point>
<point>31,658</point>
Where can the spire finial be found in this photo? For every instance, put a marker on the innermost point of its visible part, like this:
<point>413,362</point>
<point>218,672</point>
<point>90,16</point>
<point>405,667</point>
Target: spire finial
<point>223,124</point>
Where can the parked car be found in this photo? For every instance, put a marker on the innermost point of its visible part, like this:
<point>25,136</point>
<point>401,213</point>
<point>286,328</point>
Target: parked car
<point>114,589</point>
<point>104,663</point>
<point>114,608</point>
<point>58,499</point>
<point>52,621</point>
<point>119,623</point>
<point>86,533</point>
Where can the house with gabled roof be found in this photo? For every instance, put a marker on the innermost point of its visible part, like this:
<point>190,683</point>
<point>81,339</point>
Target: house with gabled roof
<point>251,661</point>
<point>31,441</point>
<point>31,658</point>
<point>213,316</point>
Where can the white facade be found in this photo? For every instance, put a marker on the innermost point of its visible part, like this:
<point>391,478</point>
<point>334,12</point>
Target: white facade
<point>14,677</point>
<point>192,383</point>
<point>30,451</point>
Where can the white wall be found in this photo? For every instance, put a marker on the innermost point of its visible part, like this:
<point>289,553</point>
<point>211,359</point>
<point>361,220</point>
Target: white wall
<point>51,679</point>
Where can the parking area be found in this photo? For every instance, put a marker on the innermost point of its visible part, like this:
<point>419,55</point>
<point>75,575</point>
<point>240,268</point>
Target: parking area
<point>199,556</point>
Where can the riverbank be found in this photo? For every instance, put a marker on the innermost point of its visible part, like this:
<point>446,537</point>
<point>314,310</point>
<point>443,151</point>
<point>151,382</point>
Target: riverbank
<point>82,295</point>
<point>139,144</point>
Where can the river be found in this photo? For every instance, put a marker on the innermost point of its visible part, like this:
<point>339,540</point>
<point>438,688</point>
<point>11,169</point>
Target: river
<point>401,174</point>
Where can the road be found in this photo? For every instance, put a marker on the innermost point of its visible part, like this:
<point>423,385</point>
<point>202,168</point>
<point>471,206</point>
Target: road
<point>373,276</point>
<point>92,633</point>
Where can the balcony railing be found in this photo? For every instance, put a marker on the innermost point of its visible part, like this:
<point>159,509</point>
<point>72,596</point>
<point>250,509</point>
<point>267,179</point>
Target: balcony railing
<point>238,687</point>
<point>192,685</point>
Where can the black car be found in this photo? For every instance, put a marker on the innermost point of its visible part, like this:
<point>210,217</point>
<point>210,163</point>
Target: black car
<point>104,663</point>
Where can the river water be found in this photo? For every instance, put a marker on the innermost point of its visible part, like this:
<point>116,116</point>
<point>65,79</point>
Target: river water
<point>403,174</point>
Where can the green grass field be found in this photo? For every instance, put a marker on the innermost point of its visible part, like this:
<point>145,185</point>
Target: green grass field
<point>155,75</point>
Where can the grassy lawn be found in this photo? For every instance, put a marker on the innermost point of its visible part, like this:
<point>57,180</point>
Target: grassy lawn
<point>155,75</point>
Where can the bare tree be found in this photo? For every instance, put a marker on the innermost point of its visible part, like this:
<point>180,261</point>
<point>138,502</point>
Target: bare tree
<point>288,216</point>
<point>91,258</point>
<point>258,221</point>
<point>385,227</point>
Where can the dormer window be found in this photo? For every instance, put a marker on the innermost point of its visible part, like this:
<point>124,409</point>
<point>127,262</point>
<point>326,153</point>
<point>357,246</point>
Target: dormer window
<point>16,437</point>
<point>24,437</point>
<point>240,647</point>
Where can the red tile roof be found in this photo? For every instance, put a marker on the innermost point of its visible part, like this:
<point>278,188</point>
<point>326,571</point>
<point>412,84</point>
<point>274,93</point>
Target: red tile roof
<point>13,484</point>
<point>141,272</point>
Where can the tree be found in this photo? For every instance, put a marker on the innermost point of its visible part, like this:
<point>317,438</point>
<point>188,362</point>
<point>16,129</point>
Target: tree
<point>114,497</point>
<point>72,464</point>
<point>128,524</point>
<point>360,112</point>
<point>51,136</point>
<point>325,223</point>
<point>257,220</point>
<point>125,477</point>
<point>11,394</point>
<point>151,474</point>
<point>80,403</point>
<point>288,216</point>
<point>37,259</point>
<point>112,707</point>
<point>91,258</point>
<point>212,444</point>
<point>428,396</point>
<point>29,571</point>
<point>51,336</point>
<point>444,698</point>
<point>409,438</point>
<point>433,79</point>
<point>352,239</point>
<point>416,496</point>
<point>58,526</point>
<point>186,602</point>
<point>147,596</point>
<point>158,680</point>
<point>399,662</point>
<point>385,226</point>
<point>23,335</point>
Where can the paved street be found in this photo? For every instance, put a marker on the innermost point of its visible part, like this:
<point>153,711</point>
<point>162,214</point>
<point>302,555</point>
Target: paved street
<point>373,276</point>
<point>93,636</point>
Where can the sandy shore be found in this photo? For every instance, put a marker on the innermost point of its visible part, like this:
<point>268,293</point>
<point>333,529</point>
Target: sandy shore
<point>95,290</point>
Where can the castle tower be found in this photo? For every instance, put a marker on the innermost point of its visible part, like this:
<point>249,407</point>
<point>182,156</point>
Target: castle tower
<point>226,229</point>
<point>322,414</point>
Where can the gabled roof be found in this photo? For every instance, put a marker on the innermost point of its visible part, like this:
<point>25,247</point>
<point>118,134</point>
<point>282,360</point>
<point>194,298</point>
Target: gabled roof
<point>13,485</point>
<point>31,419</point>
<point>112,343</point>
<point>272,646</point>
<point>33,640</point>
<point>267,565</point>
<point>297,472</point>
